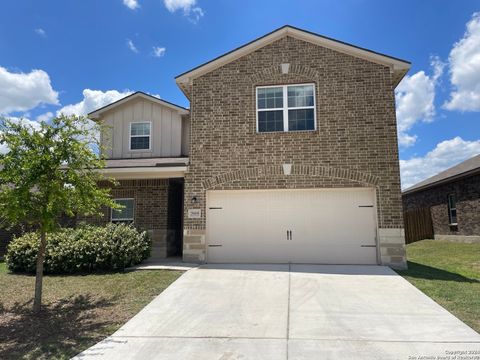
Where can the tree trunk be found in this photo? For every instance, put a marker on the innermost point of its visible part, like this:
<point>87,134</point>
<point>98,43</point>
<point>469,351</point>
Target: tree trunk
<point>37,302</point>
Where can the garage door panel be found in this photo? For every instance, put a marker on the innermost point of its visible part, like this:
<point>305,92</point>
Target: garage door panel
<point>326,226</point>
<point>248,253</point>
<point>334,255</point>
<point>240,234</point>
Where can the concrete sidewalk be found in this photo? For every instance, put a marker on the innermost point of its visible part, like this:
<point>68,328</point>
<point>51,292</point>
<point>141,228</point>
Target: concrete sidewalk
<point>228,312</point>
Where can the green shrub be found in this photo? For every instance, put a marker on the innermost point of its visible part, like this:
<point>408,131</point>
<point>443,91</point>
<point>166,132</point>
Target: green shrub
<point>84,249</point>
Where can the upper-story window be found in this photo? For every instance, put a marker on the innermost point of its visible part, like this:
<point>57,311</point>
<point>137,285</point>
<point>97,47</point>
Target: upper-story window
<point>286,108</point>
<point>140,135</point>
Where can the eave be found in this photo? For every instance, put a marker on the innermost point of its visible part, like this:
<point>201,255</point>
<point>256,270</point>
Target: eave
<point>398,66</point>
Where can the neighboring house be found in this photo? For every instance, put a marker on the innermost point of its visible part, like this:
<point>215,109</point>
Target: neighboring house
<point>453,197</point>
<point>288,154</point>
<point>5,237</point>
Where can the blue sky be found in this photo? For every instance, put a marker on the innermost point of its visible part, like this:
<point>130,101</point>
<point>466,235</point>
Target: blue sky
<point>73,56</point>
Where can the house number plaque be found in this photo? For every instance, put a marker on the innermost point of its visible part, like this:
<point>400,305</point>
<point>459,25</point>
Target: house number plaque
<point>194,213</point>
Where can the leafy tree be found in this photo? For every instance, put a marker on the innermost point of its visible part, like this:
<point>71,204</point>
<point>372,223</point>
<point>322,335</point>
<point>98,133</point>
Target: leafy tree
<point>49,170</point>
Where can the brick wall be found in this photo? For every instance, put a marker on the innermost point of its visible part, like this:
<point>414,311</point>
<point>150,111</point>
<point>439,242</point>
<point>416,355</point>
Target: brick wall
<point>355,143</point>
<point>151,210</point>
<point>467,193</point>
<point>158,204</point>
<point>151,202</point>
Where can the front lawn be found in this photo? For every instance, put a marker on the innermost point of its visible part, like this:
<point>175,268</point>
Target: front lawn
<point>449,273</point>
<point>79,311</point>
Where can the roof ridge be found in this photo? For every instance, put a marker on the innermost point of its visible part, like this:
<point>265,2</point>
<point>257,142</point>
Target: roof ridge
<point>136,93</point>
<point>289,30</point>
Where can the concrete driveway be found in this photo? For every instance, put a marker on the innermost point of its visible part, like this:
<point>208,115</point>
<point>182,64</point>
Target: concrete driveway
<point>227,312</point>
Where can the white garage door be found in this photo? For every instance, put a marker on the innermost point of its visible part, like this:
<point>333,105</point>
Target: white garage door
<point>328,226</point>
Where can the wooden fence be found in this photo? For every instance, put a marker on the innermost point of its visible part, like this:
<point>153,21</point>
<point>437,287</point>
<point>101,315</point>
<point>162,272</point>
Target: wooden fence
<point>418,225</point>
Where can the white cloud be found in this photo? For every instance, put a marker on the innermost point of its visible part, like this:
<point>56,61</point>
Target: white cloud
<point>26,121</point>
<point>44,117</point>
<point>464,61</point>
<point>92,100</point>
<point>131,4</point>
<point>174,5</point>
<point>189,8</point>
<point>446,154</point>
<point>195,15</point>
<point>132,46</point>
<point>158,51</point>
<point>405,140</point>
<point>24,91</point>
<point>41,32</point>
<point>415,97</point>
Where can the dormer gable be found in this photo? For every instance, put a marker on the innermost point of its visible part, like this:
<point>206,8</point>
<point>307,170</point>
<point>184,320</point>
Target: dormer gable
<point>141,126</point>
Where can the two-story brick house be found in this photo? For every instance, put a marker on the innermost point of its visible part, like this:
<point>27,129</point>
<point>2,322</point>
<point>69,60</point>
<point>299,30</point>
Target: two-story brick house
<point>288,153</point>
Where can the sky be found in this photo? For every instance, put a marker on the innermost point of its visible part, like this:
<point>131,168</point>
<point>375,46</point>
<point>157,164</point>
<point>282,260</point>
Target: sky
<point>75,56</point>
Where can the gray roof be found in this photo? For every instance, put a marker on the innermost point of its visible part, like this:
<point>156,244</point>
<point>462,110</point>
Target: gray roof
<point>144,162</point>
<point>466,168</point>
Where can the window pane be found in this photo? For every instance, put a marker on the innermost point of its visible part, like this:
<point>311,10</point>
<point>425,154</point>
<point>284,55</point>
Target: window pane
<point>125,213</point>
<point>452,201</point>
<point>453,216</point>
<point>301,120</point>
<point>300,96</point>
<point>140,143</point>
<point>270,98</point>
<point>452,209</point>
<point>140,129</point>
<point>270,121</point>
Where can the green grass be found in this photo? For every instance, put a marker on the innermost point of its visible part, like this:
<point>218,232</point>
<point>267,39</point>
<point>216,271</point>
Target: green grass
<point>79,310</point>
<point>449,273</point>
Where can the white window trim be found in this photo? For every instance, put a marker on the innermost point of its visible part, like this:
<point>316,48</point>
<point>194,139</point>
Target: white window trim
<point>149,136</point>
<point>285,107</point>
<point>122,219</point>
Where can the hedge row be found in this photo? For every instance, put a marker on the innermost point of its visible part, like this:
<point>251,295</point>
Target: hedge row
<point>84,249</point>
